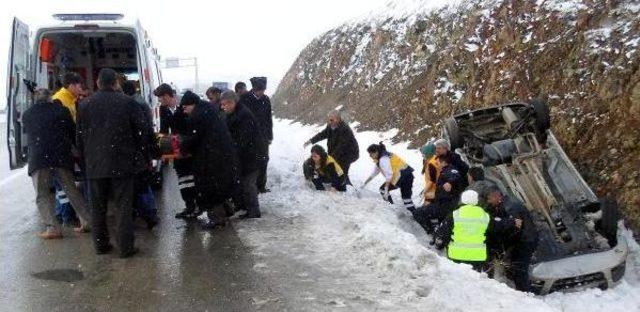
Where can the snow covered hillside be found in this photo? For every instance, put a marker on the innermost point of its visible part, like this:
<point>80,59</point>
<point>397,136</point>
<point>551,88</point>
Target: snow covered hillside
<point>411,65</point>
<point>355,252</point>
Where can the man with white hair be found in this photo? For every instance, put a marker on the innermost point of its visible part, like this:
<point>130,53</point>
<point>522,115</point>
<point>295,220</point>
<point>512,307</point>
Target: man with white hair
<point>341,143</point>
<point>466,229</point>
<point>443,148</point>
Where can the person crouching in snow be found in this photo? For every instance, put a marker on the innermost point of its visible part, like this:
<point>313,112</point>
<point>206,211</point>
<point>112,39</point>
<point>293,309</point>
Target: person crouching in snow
<point>322,169</point>
<point>397,174</point>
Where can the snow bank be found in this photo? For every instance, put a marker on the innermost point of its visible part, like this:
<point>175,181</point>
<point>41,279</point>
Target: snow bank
<point>356,252</point>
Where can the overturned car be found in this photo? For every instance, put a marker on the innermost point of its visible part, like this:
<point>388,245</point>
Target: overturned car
<point>580,244</point>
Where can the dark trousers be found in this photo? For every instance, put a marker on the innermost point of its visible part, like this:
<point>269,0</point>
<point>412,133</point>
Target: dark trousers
<point>248,196</point>
<point>345,168</point>
<point>120,190</point>
<point>319,183</point>
<point>405,184</point>
<point>261,180</point>
<point>186,182</point>
<point>144,202</point>
<point>520,262</point>
<point>431,215</point>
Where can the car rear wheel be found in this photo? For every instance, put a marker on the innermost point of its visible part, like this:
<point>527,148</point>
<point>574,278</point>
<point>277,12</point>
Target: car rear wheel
<point>452,132</point>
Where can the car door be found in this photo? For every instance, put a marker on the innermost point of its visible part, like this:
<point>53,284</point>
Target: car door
<point>19,98</point>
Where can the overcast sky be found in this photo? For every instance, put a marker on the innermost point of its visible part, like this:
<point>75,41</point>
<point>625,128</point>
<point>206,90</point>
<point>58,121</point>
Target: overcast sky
<point>232,39</point>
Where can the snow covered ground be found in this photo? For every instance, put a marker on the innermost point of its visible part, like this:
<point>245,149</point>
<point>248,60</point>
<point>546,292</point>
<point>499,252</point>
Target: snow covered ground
<point>355,252</point>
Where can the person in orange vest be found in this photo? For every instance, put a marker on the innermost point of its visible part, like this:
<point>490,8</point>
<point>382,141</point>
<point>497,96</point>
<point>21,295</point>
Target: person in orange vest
<point>430,170</point>
<point>397,174</point>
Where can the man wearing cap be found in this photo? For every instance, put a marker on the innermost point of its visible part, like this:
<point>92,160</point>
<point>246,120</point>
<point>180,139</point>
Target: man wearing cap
<point>260,105</point>
<point>173,120</point>
<point>464,232</point>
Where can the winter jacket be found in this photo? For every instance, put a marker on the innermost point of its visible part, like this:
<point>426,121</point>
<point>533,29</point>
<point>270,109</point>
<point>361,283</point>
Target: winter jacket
<point>51,136</point>
<point>153,151</point>
<point>111,135</point>
<point>450,175</point>
<point>511,208</point>
<point>250,146</point>
<point>341,143</point>
<point>173,122</point>
<point>214,158</point>
<point>431,171</point>
<point>463,168</point>
<point>68,100</point>
<point>498,227</point>
<point>330,173</point>
<point>261,109</point>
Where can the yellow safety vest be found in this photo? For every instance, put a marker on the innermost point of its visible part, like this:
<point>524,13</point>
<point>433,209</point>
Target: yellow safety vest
<point>397,165</point>
<point>67,99</point>
<point>427,178</point>
<point>470,225</point>
<point>339,170</point>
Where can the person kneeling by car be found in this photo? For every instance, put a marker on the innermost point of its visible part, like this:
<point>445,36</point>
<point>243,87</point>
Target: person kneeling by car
<point>466,230</point>
<point>321,169</point>
<point>447,195</point>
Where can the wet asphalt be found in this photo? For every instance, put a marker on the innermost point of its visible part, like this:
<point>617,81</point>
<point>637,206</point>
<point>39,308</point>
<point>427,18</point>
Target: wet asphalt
<point>180,267</point>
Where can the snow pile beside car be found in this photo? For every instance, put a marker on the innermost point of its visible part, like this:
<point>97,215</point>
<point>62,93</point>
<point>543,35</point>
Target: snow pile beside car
<point>357,252</point>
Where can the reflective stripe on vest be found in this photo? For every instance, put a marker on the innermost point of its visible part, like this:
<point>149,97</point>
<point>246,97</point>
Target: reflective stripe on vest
<point>330,160</point>
<point>469,234</point>
<point>397,164</point>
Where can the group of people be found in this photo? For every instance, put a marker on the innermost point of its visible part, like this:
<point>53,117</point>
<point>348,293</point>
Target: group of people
<point>469,216</point>
<point>221,161</point>
<point>224,149</point>
<point>109,138</point>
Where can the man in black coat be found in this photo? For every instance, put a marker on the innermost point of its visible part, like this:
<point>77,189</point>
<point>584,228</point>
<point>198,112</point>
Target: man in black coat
<point>142,189</point>
<point>447,195</point>
<point>173,120</point>
<point>214,157</point>
<point>341,143</point>
<point>260,105</point>
<point>51,136</point>
<point>111,139</point>
<point>524,241</point>
<point>250,148</point>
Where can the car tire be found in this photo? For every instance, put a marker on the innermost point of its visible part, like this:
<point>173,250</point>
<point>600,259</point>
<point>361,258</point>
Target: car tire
<point>607,226</point>
<point>453,133</point>
<point>542,114</point>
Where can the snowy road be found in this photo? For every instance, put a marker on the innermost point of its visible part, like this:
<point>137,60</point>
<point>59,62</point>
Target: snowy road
<point>312,251</point>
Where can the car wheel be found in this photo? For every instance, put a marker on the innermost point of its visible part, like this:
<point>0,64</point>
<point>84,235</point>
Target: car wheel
<point>542,114</point>
<point>607,226</point>
<point>452,132</point>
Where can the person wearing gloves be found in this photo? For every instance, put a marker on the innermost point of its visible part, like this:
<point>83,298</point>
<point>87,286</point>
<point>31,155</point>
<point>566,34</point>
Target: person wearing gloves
<point>322,169</point>
<point>430,170</point>
<point>466,230</point>
<point>397,174</point>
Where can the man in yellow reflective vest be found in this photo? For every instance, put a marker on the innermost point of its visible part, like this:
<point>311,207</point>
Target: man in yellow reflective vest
<point>465,232</point>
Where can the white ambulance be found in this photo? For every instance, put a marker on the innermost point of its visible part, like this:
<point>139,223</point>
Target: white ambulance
<point>81,43</point>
